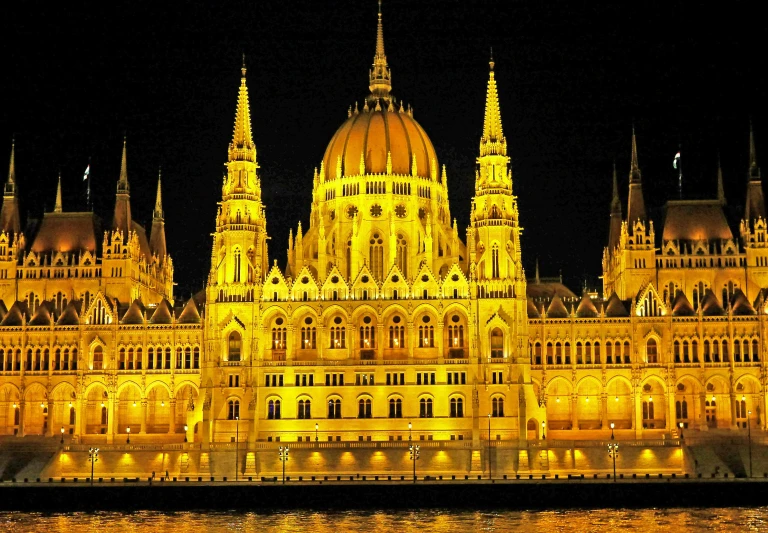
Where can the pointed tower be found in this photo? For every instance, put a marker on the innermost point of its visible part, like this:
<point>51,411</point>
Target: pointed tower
<point>635,203</point>
<point>157,238</point>
<point>754,207</point>
<point>122,219</point>
<point>380,77</point>
<point>57,206</point>
<point>241,236</point>
<point>629,260</point>
<point>614,232</point>
<point>10,221</point>
<point>720,187</point>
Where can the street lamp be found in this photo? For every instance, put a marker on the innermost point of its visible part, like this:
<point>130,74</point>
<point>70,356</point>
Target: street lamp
<point>543,435</point>
<point>749,440</point>
<point>186,428</point>
<point>128,438</point>
<point>282,453</point>
<point>414,453</point>
<point>680,424</point>
<point>93,456</point>
<point>237,443</point>
<point>62,434</point>
<point>613,451</point>
<point>316,428</point>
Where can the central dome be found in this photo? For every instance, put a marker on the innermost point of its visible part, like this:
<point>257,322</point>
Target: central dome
<point>374,133</point>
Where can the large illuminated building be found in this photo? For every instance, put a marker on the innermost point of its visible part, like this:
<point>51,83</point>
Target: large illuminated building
<point>383,315</point>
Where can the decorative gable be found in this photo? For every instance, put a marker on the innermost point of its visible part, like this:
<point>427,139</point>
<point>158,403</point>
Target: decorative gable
<point>305,286</point>
<point>335,287</point>
<point>394,286</point>
<point>275,286</point>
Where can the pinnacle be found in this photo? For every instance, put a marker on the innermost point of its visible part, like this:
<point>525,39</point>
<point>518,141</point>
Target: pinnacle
<point>493,141</point>
<point>158,213</point>
<point>12,165</point>
<point>242,147</point>
<point>634,171</point>
<point>380,75</point>
<point>124,166</point>
<point>57,207</point>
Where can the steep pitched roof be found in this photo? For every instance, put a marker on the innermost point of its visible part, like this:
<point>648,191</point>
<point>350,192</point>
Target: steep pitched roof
<point>586,308</point>
<point>740,306</point>
<point>3,310</point>
<point>162,314</point>
<point>17,315</point>
<point>532,311</point>
<point>557,309</point>
<point>681,306</point>
<point>695,220</point>
<point>71,314</point>
<point>710,305</point>
<point>134,314</point>
<point>615,307</point>
<point>67,232</point>
<point>190,314</point>
<point>42,316</point>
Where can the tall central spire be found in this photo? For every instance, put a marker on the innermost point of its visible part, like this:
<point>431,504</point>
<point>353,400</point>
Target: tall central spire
<point>380,77</point>
<point>9,215</point>
<point>122,219</point>
<point>636,203</point>
<point>242,148</point>
<point>493,141</point>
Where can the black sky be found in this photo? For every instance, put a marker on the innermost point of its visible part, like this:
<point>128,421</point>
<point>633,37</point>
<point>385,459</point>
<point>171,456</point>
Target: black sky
<point>573,78</point>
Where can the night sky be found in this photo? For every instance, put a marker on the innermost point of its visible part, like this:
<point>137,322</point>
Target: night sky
<point>573,78</point>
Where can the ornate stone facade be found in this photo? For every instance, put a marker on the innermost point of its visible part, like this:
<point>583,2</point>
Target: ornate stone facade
<point>384,323</point>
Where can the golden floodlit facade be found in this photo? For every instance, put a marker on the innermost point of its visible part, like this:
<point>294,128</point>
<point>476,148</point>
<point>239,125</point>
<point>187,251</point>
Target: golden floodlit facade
<point>384,323</point>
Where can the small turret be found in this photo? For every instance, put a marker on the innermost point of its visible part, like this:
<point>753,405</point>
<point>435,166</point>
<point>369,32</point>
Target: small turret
<point>157,242</point>
<point>10,221</point>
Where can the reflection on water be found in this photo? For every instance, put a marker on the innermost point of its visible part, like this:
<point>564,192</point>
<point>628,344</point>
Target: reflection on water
<point>438,521</point>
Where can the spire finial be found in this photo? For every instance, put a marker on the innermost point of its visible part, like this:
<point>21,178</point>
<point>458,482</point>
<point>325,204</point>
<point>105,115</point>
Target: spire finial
<point>492,63</point>
<point>720,186</point>
<point>158,213</point>
<point>754,170</point>
<point>57,207</point>
<point>634,170</point>
<point>615,202</point>
<point>122,183</point>
<point>242,148</point>
<point>12,165</point>
<point>380,77</point>
<point>493,141</point>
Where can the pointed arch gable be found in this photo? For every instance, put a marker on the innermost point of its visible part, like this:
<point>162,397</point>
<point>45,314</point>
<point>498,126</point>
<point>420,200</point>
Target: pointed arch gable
<point>649,303</point>
<point>95,316</point>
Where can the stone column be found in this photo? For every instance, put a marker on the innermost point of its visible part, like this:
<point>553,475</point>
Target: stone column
<point>22,409</point>
<point>440,338</point>
<point>703,412</point>
<point>411,338</point>
<point>172,416</point>
<point>732,398</point>
<point>574,412</point>
<point>49,427</point>
<point>605,424</point>
<point>672,409</point>
<point>111,419</point>
<point>380,340</point>
<point>143,429</point>
<point>638,413</point>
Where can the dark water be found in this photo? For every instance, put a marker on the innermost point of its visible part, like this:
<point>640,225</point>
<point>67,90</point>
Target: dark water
<point>438,521</point>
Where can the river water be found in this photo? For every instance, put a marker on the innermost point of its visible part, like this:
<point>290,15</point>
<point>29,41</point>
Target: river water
<point>439,521</point>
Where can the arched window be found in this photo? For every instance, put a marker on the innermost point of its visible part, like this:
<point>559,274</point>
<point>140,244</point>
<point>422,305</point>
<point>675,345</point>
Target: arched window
<point>236,266</point>
<point>367,336</point>
<point>279,335</point>
<point>497,407</point>
<point>234,344</point>
<point>755,351</point>
<point>376,256</point>
<point>98,358</point>
<point>456,335</point>
<point>495,261</point>
<point>308,337</point>
<point>457,407</point>
<point>626,352</point>
<point>334,408</point>
<point>273,410</point>
<point>677,351</point>
<point>364,408</point>
<point>338,336</point>
<point>305,409</point>
<point>196,357</point>
<point>395,408</point>
<point>497,343</point>
<point>397,333</point>
<point>233,410</point>
<point>426,336</point>
<point>402,255</point>
<point>425,408</point>
<point>651,355</point>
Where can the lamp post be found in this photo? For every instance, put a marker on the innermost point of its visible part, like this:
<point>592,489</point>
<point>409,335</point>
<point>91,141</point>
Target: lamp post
<point>749,440</point>
<point>316,428</point>
<point>414,453</point>
<point>680,425</point>
<point>613,451</point>
<point>186,428</point>
<point>543,434</point>
<point>62,434</point>
<point>128,432</point>
<point>282,453</point>
<point>93,456</point>
<point>237,444</point>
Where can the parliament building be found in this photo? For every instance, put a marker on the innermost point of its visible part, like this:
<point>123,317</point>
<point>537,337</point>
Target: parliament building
<point>388,321</point>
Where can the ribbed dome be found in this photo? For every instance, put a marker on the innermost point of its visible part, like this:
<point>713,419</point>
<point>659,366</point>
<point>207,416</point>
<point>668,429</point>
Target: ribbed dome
<point>375,133</point>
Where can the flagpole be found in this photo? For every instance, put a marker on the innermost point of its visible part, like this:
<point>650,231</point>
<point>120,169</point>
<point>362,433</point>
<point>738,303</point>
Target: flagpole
<point>88,186</point>
<point>680,173</point>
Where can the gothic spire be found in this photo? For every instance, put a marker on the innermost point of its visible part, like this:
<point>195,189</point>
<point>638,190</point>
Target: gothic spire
<point>380,77</point>
<point>755,204</point>
<point>614,230</point>
<point>242,148</point>
<point>122,217</point>
<point>615,202</point>
<point>57,207</point>
<point>636,203</point>
<point>157,244</point>
<point>10,221</point>
<point>492,141</point>
<point>720,187</point>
